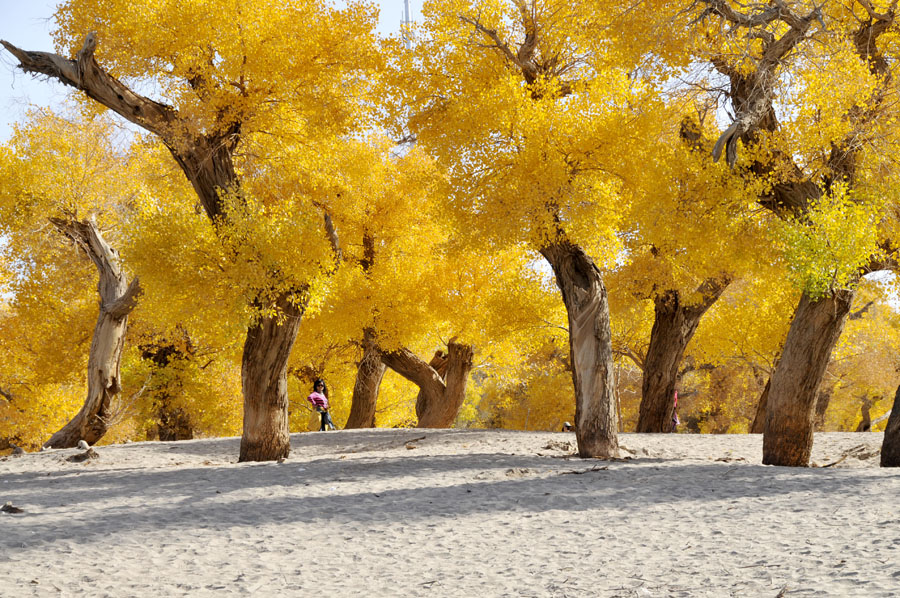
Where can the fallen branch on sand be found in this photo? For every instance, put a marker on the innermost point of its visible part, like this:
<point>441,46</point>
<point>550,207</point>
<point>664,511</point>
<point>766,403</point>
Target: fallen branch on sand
<point>583,471</point>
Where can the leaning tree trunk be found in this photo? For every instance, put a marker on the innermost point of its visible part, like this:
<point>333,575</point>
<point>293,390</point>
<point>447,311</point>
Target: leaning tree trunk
<point>673,327</point>
<point>369,374</point>
<point>266,435</point>
<point>117,299</point>
<point>890,446</point>
<point>759,421</point>
<point>590,347</point>
<point>206,160</point>
<point>441,394</point>
<point>815,329</point>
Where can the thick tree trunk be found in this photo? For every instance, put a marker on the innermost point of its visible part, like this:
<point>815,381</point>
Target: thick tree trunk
<point>117,299</point>
<point>673,327</point>
<point>369,374</point>
<point>890,446</point>
<point>593,374</point>
<point>266,435</point>
<point>441,393</point>
<point>815,328</point>
<point>440,412</point>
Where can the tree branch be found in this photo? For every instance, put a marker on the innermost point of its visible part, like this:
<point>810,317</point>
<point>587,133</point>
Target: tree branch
<point>407,364</point>
<point>125,304</point>
<point>85,74</point>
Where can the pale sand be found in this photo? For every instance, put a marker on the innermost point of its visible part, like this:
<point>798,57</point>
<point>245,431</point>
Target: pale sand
<point>460,513</point>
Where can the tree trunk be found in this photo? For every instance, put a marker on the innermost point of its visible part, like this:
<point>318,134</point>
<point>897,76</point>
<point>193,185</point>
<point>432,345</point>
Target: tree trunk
<point>440,394</point>
<point>822,402</point>
<point>673,327</point>
<point>117,299</point>
<point>815,329</point>
<point>890,446</point>
<point>440,412</point>
<point>369,374</point>
<point>759,421</point>
<point>584,295</point>
<point>173,424</point>
<point>266,434</point>
<point>206,161</point>
<point>865,423</point>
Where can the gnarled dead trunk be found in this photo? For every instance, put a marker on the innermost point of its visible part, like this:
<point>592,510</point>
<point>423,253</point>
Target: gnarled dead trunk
<point>890,446</point>
<point>673,327</point>
<point>117,299</point>
<point>584,295</point>
<point>815,328</point>
<point>266,434</point>
<point>369,374</point>
<point>441,394</point>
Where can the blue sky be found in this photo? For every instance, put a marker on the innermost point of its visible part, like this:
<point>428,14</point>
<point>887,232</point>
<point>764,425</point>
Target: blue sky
<point>27,24</point>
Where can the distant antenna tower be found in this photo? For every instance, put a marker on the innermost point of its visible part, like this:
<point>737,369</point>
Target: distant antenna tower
<point>406,26</point>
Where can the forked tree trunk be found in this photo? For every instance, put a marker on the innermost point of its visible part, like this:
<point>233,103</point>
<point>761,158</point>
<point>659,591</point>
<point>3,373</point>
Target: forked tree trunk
<point>815,329</point>
<point>440,396</point>
<point>117,299</point>
<point>266,434</point>
<point>584,295</point>
<point>673,327</point>
<point>890,446</point>
<point>440,411</point>
<point>369,374</point>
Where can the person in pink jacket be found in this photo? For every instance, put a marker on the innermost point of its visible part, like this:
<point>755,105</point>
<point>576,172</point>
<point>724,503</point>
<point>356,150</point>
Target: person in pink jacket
<point>319,402</point>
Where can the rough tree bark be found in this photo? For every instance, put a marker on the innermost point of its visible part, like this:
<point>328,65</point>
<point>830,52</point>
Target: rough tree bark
<point>815,328</point>
<point>207,162</point>
<point>266,434</point>
<point>440,396</point>
<point>369,374</point>
<point>890,446</point>
<point>590,347</point>
<point>759,420</point>
<point>117,300</point>
<point>673,327</point>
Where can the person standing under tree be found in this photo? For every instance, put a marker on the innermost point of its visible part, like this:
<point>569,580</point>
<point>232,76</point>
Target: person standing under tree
<point>319,399</point>
<point>675,420</point>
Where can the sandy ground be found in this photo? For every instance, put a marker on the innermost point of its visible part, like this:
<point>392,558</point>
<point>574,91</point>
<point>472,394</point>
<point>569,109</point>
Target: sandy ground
<point>452,513</point>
